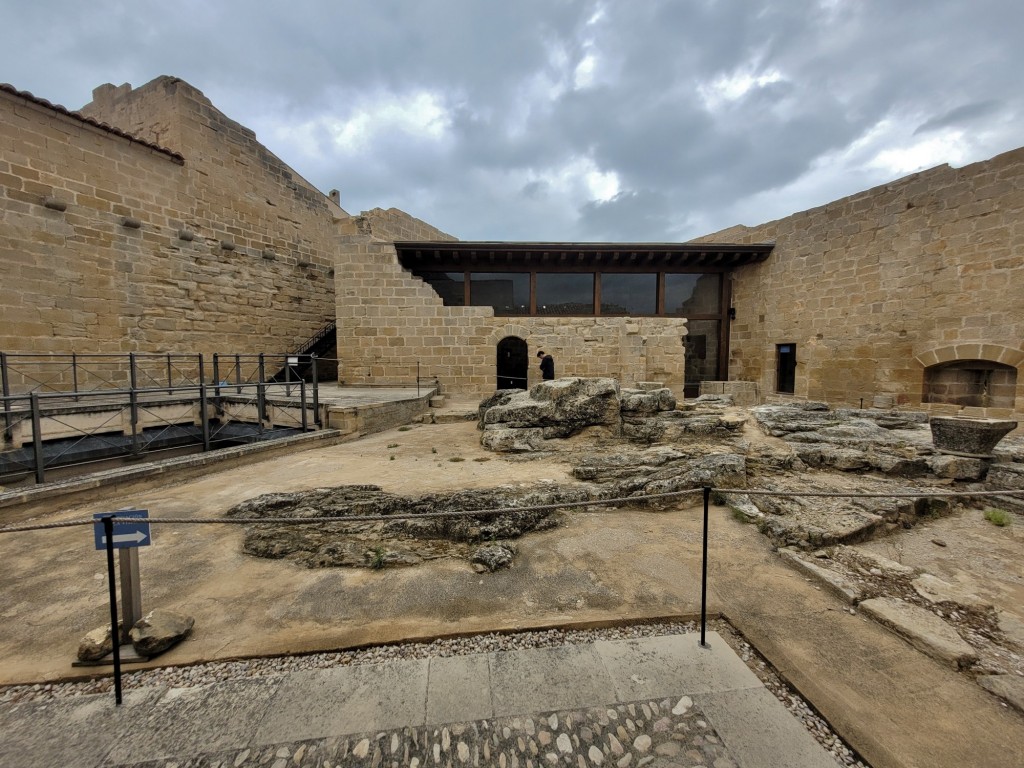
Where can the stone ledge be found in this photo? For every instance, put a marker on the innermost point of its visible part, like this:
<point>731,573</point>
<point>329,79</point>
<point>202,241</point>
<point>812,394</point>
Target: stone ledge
<point>922,629</point>
<point>834,582</point>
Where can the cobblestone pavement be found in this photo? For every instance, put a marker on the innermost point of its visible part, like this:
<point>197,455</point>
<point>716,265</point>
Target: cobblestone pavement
<point>660,733</point>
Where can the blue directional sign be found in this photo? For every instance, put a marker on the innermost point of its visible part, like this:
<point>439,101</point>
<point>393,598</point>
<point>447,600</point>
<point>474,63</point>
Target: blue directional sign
<point>125,534</point>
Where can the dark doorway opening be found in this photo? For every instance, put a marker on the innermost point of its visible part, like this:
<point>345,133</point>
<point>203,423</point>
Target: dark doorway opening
<point>513,363</point>
<point>785,373</point>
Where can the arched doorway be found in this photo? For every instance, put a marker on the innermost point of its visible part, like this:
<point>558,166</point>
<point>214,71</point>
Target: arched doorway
<point>513,363</point>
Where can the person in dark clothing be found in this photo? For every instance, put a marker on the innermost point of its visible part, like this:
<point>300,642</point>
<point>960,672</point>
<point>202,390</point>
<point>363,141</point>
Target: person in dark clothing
<point>547,365</point>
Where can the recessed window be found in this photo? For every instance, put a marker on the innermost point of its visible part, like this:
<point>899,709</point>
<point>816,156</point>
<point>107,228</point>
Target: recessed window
<point>625,294</point>
<point>565,293</point>
<point>785,372</point>
<point>692,294</point>
<point>507,292</point>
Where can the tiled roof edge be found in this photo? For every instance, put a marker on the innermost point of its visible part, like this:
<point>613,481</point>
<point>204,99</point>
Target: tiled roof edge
<point>8,88</point>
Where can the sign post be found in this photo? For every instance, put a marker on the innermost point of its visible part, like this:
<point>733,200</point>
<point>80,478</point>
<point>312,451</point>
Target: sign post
<point>127,537</point>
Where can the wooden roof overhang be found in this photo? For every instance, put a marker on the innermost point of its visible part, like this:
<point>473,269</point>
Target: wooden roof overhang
<point>486,256</point>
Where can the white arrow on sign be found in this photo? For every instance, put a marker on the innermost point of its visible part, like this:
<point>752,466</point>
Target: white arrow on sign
<point>138,537</point>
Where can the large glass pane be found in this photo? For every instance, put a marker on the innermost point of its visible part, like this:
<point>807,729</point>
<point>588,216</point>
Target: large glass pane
<point>628,294</point>
<point>507,292</point>
<point>687,295</point>
<point>565,293</point>
<point>448,285</point>
<point>701,346</point>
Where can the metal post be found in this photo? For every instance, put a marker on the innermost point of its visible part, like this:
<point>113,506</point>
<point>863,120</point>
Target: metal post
<point>74,374</point>
<point>302,405</point>
<point>704,572</point>
<point>238,374</point>
<point>37,439</point>
<point>133,399</point>
<point>317,422</point>
<point>417,378</point>
<point>261,391</point>
<point>204,418</point>
<point>261,405</point>
<point>216,384</point>
<point>5,387</point>
<point>287,376</point>
<point>131,591</point>
<point>170,380</point>
<point>202,368</point>
<point>108,531</point>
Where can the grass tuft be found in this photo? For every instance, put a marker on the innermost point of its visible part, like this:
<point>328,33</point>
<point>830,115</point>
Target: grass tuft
<point>998,517</point>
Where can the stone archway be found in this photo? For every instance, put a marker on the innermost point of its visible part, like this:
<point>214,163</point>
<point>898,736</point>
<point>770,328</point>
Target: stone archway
<point>512,363</point>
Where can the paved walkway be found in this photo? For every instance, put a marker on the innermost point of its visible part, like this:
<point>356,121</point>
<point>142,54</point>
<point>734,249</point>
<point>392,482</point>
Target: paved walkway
<point>659,701</point>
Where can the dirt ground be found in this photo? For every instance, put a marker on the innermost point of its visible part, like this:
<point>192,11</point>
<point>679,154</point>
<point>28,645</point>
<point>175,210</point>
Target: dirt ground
<point>897,706</point>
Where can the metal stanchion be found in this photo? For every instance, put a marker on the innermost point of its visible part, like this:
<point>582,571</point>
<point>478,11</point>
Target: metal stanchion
<point>704,572</point>
<point>37,439</point>
<point>108,532</point>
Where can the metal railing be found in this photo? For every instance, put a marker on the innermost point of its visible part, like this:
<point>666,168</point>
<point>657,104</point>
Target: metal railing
<point>127,423</point>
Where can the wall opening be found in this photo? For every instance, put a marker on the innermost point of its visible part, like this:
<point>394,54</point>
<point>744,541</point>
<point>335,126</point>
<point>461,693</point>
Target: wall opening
<point>977,383</point>
<point>785,368</point>
<point>513,363</point>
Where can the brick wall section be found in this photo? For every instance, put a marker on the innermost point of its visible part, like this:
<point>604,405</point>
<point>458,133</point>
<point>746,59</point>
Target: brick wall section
<point>78,280</point>
<point>874,287</point>
<point>389,320</point>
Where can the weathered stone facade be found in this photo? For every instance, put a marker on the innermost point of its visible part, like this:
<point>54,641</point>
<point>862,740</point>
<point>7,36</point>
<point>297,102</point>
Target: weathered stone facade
<point>876,287</point>
<point>108,244</point>
<point>394,325</point>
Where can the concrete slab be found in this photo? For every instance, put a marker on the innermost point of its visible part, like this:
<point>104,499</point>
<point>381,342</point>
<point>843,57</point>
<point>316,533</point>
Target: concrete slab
<point>760,732</point>
<point>459,689</point>
<point>71,732</point>
<point>184,720</point>
<point>673,665</point>
<point>331,702</point>
<point>547,679</point>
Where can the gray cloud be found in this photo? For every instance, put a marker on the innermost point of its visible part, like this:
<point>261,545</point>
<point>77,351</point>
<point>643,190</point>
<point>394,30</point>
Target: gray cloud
<point>698,111</point>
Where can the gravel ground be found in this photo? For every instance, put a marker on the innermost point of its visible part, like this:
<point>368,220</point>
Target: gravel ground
<point>200,674</point>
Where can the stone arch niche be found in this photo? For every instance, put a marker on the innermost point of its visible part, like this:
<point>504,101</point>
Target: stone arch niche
<point>970,383</point>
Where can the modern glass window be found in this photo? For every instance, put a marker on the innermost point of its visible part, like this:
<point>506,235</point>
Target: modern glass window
<point>507,292</point>
<point>628,294</point>
<point>450,286</point>
<point>693,294</point>
<point>565,293</point>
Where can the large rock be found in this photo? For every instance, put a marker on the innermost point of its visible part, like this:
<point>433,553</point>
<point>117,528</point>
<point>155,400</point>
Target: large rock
<point>95,645</point>
<point>646,402</point>
<point>416,537</point>
<point>493,557</point>
<point>957,467</point>
<point>158,630</point>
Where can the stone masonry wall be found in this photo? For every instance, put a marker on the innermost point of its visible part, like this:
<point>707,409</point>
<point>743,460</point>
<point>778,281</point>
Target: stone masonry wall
<point>875,287</point>
<point>389,320</point>
<point>233,251</point>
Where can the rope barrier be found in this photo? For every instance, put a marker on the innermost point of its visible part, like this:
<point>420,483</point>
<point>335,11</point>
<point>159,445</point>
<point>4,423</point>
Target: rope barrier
<point>498,510</point>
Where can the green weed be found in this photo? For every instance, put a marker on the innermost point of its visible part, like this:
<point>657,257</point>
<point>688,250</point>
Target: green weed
<point>998,517</point>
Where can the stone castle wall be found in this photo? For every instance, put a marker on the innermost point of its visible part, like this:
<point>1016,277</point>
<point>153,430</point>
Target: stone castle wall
<point>875,287</point>
<point>392,321</point>
<point>230,251</point>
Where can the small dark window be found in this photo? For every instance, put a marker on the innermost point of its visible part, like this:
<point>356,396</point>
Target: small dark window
<point>565,293</point>
<point>785,376</point>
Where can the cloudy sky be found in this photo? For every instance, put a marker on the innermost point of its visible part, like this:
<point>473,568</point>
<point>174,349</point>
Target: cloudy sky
<point>646,120</point>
